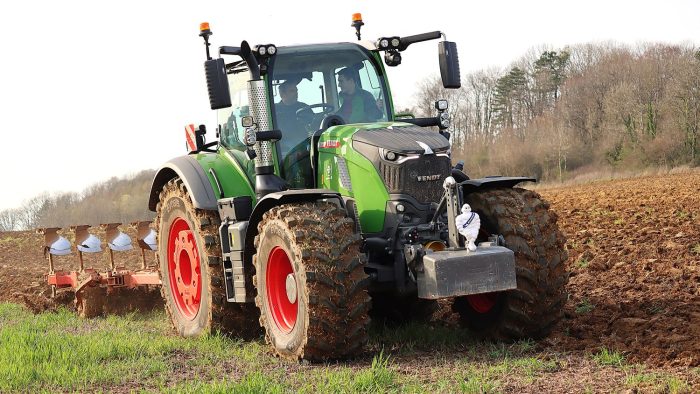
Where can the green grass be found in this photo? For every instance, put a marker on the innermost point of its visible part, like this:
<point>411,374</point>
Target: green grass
<point>59,352</point>
<point>584,306</point>
<point>681,214</point>
<point>609,357</point>
<point>656,382</point>
<point>10,241</point>
<point>696,248</point>
<point>582,262</point>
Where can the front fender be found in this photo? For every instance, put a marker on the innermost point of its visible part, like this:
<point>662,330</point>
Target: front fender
<point>279,198</point>
<point>193,176</point>
<point>473,185</point>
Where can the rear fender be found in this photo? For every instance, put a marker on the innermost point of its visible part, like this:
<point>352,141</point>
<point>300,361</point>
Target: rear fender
<point>193,176</point>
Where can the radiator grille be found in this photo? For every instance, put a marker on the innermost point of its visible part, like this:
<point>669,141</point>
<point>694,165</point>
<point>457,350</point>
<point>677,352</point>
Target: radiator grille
<point>421,178</point>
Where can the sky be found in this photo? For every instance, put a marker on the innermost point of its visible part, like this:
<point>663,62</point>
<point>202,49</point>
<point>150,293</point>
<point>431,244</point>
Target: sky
<point>91,89</point>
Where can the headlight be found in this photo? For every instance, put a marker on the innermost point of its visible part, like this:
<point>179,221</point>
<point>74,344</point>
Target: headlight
<point>271,50</point>
<point>395,42</point>
<point>262,50</point>
<point>391,156</point>
<point>247,121</point>
<point>383,43</point>
<point>444,120</point>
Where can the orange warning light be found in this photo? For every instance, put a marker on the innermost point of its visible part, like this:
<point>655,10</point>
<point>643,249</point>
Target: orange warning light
<point>204,26</point>
<point>356,17</point>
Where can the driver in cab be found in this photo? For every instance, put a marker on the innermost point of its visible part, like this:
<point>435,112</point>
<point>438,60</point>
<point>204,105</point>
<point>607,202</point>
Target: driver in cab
<point>356,104</point>
<point>287,118</point>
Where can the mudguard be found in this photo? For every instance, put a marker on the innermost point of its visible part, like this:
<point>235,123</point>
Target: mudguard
<point>472,185</point>
<point>194,178</point>
<point>278,198</point>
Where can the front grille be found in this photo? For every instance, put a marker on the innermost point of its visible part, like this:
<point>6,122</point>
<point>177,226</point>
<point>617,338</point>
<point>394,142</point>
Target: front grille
<point>417,177</point>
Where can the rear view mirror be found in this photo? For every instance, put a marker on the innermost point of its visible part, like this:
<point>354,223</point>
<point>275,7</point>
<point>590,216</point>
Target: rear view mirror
<point>217,83</point>
<point>449,65</point>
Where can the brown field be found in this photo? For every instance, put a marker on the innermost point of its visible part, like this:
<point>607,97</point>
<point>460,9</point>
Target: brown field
<point>634,259</point>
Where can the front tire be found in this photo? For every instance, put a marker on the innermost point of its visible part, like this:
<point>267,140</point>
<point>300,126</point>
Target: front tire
<point>191,271</point>
<point>531,232</point>
<point>312,288</point>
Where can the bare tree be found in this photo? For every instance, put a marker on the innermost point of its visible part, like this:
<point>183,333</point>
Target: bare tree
<point>9,219</point>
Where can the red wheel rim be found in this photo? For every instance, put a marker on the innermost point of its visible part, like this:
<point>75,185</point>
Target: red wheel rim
<point>281,290</point>
<point>483,303</point>
<point>184,270</point>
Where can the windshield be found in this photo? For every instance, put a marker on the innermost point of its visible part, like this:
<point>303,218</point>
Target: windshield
<point>314,81</point>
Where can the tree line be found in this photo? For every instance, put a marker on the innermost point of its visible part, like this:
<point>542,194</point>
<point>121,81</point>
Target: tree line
<point>116,200</point>
<point>554,114</point>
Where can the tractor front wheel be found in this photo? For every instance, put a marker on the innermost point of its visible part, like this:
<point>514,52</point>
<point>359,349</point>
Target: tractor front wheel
<point>312,288</point>
<point>530,231</point>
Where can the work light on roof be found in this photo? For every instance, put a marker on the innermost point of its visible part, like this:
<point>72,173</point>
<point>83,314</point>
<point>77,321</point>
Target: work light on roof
<point>265,50</point>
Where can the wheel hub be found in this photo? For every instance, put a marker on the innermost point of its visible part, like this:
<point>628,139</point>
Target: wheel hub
<point>483,303</point>
<point>291,286</point>
<point>184,269</point>
<point>281,290</point>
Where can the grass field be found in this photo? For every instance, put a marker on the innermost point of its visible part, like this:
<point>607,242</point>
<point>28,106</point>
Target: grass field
<point>59,352</point>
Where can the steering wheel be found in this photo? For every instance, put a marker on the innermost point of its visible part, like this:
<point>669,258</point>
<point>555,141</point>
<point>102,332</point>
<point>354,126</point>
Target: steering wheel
<point>308,116</point>
<point>327,108</point>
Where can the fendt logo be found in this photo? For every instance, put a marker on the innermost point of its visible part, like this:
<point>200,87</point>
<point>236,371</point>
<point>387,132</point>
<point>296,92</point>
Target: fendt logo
<point>426,178</point>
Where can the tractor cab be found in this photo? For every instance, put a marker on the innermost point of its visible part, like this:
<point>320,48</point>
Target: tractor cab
<point>311,88</point>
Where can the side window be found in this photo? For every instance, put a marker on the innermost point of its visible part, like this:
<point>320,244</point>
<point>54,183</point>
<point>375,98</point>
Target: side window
<point>230,118</point>
<point>369,80</point>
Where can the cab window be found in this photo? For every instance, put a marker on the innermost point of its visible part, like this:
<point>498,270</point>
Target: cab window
<point>230,118</point>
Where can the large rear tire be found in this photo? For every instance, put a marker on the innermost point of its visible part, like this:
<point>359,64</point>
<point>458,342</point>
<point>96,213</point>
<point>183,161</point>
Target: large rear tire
<point>531,232</point>
<point>191,271</point>
<point>312,288</point>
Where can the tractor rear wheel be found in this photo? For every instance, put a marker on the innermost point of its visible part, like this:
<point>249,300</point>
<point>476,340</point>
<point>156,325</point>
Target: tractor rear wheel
<point>531,232</point>
<point>312,288</point>
<point>191,270</point>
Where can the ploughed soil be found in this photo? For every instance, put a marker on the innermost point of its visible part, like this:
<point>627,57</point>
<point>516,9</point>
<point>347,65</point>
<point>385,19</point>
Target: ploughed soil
<point>634,263</point>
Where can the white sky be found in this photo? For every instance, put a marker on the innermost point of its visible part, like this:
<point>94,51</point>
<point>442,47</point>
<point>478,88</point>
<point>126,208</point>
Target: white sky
<point>93,89</point>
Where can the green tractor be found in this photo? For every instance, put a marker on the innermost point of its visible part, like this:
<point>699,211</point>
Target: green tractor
<point>319,206</point>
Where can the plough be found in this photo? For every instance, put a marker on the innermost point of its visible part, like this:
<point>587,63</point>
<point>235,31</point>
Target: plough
<point>129,289</point>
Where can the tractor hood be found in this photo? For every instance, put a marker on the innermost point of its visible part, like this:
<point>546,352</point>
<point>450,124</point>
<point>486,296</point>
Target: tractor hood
<point>410,160</point>
<point>403,139</point>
